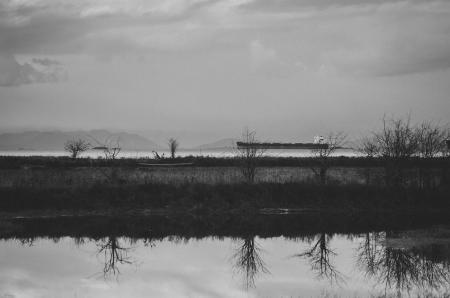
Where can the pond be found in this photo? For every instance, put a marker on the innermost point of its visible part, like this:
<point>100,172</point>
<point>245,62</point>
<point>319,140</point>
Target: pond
<point>379,263</point>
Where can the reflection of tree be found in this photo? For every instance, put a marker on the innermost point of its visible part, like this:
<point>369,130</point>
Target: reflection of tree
<point>402,269</point>
<point>247,260</point>
<point>319,256</point>
<point>396,268</point>
<point>434,272</point>
<point>114,255</point>
<point>367,252</point>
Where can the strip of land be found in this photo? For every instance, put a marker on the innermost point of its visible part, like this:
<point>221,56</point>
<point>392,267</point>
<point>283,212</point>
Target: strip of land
<point>351,185</point>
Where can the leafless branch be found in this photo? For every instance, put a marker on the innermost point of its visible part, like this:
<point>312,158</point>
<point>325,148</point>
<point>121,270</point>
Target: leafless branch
<point>76,146</point>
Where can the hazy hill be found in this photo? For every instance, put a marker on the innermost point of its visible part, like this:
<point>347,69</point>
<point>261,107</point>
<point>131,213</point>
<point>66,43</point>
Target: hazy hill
<point>54,140</point>
<point>220,144</point>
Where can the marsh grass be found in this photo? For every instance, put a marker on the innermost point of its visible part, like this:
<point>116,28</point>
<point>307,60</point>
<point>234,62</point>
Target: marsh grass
<point>88,176</point>
<point>116,184</point>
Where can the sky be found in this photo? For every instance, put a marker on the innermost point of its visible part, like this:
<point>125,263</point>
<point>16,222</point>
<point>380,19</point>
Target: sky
<point>289,69</point>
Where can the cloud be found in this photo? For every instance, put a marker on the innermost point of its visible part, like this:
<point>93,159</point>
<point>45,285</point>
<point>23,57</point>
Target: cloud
<point>262,55</point>
<point>395,39</point>
<point>359,38</point>
<point>94,27</point>
<point>266,61</point>
<point>296,5</point>
<point>39,70</point>
<point>352,37</point>
<point>45,61</point>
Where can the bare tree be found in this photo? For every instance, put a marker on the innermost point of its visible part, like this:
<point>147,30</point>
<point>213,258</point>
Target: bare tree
<point>397,141</point>
<point>369,147</point>
<point>249,152</point>
<point>324,150</point>
<point>430,143</point>
<point>430,139</point>
<point>173,146</point>
<point>398,138</point>
<point>75,147</point>
<point>112,148</point>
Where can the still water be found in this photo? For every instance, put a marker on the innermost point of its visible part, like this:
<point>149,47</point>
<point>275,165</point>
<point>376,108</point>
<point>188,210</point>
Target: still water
<point>180,153</point>
<point>375,264</point>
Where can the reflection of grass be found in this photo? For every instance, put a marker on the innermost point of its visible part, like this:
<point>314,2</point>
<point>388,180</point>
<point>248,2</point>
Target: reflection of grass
<point>405,239</point>
<point>416,241</point>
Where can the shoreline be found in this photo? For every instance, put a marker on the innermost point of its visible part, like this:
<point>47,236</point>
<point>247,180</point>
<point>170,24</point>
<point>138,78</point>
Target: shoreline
<point>159,226</point>
<point>51,162</point>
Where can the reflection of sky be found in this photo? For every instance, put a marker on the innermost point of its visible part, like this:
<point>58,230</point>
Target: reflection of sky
<point>197,268</point>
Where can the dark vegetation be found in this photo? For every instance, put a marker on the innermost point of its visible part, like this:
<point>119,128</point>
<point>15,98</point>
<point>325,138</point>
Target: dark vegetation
<point>227,198</point>
<point>413,158</point>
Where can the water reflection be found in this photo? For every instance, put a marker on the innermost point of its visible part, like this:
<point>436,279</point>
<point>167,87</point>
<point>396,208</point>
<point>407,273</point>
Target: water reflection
<point>115,254</point>
<point>320,256</point>
<point>403,269</point>
<point>248,261</point>
<point>369,264</point>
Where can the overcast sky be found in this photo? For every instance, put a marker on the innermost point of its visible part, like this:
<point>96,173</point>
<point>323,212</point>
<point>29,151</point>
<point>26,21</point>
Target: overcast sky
<point>290,69</point>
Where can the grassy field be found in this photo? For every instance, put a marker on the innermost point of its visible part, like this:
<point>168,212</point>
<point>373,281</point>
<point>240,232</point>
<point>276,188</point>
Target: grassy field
<point>352,184</point>
<point>66,172</point>
<point>87,176</point>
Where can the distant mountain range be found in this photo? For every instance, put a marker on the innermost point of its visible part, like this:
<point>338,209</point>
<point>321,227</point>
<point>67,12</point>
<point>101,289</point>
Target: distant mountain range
<point>220,144</point>
<point>54,140</point>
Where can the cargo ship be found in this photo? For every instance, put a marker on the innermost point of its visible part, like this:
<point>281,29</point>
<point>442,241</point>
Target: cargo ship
<point>283,145</point>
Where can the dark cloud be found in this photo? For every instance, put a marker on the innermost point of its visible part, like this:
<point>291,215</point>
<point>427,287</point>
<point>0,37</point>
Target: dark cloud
<point>84,28</point>
<point>292,5</point>
<point>45,61</point>
<point>375,38</point>
<point>12,73</point>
